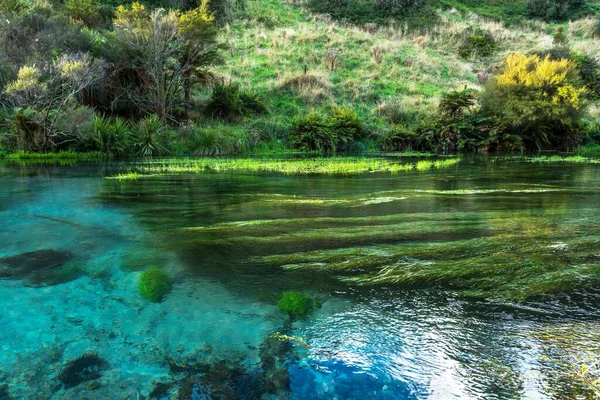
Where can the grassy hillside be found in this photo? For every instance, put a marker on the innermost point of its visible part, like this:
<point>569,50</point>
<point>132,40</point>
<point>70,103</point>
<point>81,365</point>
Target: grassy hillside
<point>292,77</point>
<point>379,71</point>
<point>511,10</point>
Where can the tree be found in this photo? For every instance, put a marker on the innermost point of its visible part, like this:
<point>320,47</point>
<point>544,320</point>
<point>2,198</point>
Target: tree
<point>538,98</point>
<point>199,49</point>
<point>165,50</point>
<point>39,97</point>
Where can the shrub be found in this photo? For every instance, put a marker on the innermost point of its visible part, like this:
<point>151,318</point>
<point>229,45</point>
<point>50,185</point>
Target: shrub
<point>589,71</point>
<point>538,98</point>
<point>347,127</point>
<point>29,132</point>
<point>154,284</point>
<point>218,141</point>
<point>312,132</point>
<point>335,132</point>
<point>75,126</point>
<point>146,137</point>
<point>446,134</point>
<point>554,10</point>
<point>477,43</point>
<point>229,102</point>
<point>401,111</point>
<point>85,11</point>
<point>111,135</point>
<point>296,304</point>
<point>457,103</point>
<point>398,138</point>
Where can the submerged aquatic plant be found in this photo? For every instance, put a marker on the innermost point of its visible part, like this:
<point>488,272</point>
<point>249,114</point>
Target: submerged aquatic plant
<point>154,284</point>
<point>331,166</point>
<point>296,304</point>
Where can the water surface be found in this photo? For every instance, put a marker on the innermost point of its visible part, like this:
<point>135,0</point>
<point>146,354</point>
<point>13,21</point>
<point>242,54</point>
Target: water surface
<point>476,281</point>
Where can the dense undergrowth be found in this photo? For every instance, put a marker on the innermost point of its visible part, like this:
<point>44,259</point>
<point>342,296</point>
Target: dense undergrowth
<point>272,76</point>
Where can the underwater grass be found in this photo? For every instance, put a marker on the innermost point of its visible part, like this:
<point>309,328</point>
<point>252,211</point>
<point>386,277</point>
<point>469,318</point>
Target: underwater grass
<point>480,267</point>
<point>321,166</point>
<point>560,159</point>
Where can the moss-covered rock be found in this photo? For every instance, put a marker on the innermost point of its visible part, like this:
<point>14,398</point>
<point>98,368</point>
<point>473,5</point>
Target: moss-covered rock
<point>296,304</point>
<point>154,284</point>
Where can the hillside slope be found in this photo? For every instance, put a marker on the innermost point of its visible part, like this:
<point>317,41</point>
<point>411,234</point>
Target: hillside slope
<point>303,60</point>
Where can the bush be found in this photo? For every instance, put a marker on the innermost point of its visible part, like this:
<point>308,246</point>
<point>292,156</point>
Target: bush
<point>588,67</point>
<point>312,132</point>
<point>336,132</point>
<point>478,43</point>
<point>147,140</point>
<point>457,103</point>
<point>229,102</point>
<point>86,11</point>
<point>75,128</point>
<point>402,111</point>
<point>539,98</point>
<point>219,141</point>
<point>554,10</point>
<point>347,127</point>
<point>29,132</point>
<point>154,284</point>
<point>111,135</point>
<point>296,304</point>
<point>398,138</point>
<point>589,71</point>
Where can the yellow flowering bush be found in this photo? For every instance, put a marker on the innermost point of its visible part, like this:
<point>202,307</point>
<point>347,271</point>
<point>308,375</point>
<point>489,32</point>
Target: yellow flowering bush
<point>538,98</point>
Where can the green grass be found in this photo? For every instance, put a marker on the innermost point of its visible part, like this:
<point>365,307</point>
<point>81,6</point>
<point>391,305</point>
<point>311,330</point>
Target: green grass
<point>58,156</point>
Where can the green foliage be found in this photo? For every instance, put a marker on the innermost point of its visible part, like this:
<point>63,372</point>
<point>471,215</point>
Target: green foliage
<point>458,103</point>
<point>28,132</point>
<point>154,284</point>
<point>336,132</point>
<point>219,141</point>
<point>589,71</point>
<point>229,102</point>
<point>398,138</point>
<point>147,137</point>
<point>347,126</point>
<point>75,127</point>
<point>554,10</point>
<point>478,43</point>
<point>296,304</point>
<point>86,11</point>
<point>111,135</point>
<point>416,13</point>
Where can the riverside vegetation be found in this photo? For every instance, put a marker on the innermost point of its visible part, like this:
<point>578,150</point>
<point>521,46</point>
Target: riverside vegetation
<point>234,77</point>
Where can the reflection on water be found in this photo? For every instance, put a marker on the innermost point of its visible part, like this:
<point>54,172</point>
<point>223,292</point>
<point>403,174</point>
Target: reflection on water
<point>474,282</point>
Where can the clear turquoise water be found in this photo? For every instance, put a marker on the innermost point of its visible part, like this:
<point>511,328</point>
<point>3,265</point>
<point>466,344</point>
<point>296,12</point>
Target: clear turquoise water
<point>374,336</point>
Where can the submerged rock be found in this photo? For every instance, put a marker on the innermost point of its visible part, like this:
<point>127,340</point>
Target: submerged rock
<point>39,268</point>
<point>85,368</point>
